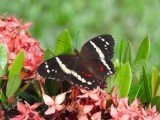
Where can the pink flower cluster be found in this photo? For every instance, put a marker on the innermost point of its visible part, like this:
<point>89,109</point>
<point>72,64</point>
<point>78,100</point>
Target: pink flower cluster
<point>120,110</point>
<point>16,38</point>
<point>27,112</point>
<point>96,105</point>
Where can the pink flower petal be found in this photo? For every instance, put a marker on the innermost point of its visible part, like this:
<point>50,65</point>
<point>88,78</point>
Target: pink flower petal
<point>87,108</point>
<point>59,107</point>
<point>96,116</point>
<point>35,105</point>
<point>50,110</point>
<point>94,96</point>
<point>83,96</point>
<point>113,112</point>
<point>47,100</point>
<point>60,98</point>
<point>21,107</point>
<point>84,117</point>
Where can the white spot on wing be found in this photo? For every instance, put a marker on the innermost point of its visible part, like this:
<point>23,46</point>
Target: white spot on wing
<point>101,55</point>
<point>107,43</point>
<point>102,39</point>
<point>48,71</point>
<point>89,83</point>
<point>46,66</point>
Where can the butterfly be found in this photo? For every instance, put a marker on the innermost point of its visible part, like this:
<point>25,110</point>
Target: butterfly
<point>87,68</point>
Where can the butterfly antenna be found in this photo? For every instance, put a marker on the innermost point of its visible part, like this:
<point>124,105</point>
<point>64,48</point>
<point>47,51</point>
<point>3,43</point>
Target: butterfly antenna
<point>77,38</point>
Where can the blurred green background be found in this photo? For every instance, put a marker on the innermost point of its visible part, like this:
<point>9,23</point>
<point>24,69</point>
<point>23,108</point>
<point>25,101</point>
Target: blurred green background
<point>127,19</point>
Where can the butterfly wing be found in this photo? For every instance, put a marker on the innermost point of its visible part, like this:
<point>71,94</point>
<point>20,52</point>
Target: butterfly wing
<point>98,53</point>
<point>70,68</point>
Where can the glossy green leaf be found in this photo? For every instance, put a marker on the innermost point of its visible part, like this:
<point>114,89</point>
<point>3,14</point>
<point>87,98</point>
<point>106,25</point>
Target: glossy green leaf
<point>13,84</point>
<point>155,81</point>
<point>145,80</point>
<point>134,91</point>
<point>143,51</point>
<point>3,59</point>
<point>48,54</point>
<point>156,102</point>
<point>123,79</point>
<point>16,65</point>
<point>64,44</point>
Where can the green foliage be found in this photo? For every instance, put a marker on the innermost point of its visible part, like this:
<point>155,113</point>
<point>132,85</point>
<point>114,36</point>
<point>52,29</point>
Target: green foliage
<point>143,50</point>
<point>63,45</point>
<point>13,84</point>
<point>48,54</point>
<point>3,60</point>
<point>16,65</point>
<point>125,52</point>
<point>155,81</point>
<point>145,81</point>
<point>156,101</point>
<point>142,86</point>
<point>123,79</point>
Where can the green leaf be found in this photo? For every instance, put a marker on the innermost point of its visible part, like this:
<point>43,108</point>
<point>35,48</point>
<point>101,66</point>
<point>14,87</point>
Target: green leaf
<point>121,50</point>
<point>1,72</point>
<point>64,44</point>
<point>13,84</point>
<point>22,89</point>
<point>110,84</point>
<point>3,59</point>
<point>123,79</point>
<point>156,101</point>
<point>3,98</point>
<point>127,54</point>
<point>48,54</point>
<point>145,80</point>
<point>37,87</point>
<point>16,65</point>
<point>143,50</point>
<point>30,98</point>
<point>155,81</point>
<point>134,91</point>
<point>158,91</point>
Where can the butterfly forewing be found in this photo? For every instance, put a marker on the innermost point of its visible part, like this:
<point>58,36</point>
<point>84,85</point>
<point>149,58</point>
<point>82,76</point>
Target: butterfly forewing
<point>70,68</point>
<point>98,52</point>
<point>101,47</point>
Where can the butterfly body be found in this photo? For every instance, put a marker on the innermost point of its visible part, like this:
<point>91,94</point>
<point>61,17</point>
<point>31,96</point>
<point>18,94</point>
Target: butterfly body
<point>87,68</point>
